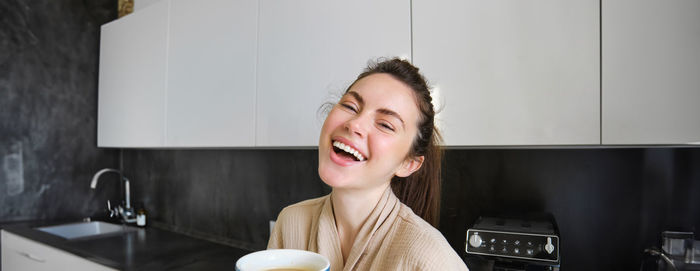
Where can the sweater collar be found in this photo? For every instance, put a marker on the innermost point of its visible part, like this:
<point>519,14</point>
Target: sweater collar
<point>379,220</point>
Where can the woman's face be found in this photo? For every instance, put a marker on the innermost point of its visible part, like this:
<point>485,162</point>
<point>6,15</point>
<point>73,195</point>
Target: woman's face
<point>366,137</point>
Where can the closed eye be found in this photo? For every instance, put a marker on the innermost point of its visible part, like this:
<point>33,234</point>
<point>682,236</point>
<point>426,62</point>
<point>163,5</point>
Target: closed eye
<point>387,126</point>
<point>349,107</point>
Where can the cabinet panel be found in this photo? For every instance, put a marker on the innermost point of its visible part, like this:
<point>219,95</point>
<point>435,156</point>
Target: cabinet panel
<point>131,111</point>
<point>512,72</point>
<point>309,53</point>
<point>211,73</point>
<point>141,4</point>
<point>19,253</point>
<point>651,68</point>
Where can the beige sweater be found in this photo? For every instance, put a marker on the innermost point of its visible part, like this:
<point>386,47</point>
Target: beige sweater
<point>393,238</point>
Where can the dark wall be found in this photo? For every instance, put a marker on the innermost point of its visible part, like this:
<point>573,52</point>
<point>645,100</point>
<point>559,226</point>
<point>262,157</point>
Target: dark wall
<point>225,196</point>
<point>48,109</point>
<point>610,204</point>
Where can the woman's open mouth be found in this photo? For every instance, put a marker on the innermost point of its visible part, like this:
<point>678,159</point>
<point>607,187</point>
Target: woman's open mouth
<point>347,152</point>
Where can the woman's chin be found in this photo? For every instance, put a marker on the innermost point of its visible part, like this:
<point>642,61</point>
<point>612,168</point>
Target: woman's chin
<point>329,179</point>
<point>332,178</point>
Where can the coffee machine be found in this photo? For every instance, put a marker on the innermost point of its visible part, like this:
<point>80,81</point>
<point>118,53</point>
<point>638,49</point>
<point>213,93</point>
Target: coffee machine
<point>513,242</point>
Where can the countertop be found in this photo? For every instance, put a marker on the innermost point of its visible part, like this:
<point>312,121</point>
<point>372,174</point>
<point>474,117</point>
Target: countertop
<point>143,249</point>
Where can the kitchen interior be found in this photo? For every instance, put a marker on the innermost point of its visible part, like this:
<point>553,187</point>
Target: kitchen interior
<point>585,110</point>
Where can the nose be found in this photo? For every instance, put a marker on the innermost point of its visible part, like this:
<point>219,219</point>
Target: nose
<point>357,125</point>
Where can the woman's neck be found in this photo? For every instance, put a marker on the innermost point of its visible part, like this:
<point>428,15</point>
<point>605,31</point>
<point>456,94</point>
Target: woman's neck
<point>351,209</point>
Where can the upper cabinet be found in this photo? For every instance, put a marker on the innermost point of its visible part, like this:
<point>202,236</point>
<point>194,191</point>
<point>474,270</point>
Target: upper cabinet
<point>132,76</point>
<point>211,73</point>
<point>651,72</point>
<point>310,51</point>
<point>511,72</point>
<point>179,74</point>
<point>245,73</point>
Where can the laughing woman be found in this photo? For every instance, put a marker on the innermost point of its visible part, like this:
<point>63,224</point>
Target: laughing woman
<point>379,151</point>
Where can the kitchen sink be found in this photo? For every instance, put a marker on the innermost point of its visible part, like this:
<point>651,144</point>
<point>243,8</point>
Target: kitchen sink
<point>85,229</point>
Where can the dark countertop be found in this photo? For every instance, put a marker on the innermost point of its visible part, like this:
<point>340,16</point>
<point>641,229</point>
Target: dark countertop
<point>143,249</point>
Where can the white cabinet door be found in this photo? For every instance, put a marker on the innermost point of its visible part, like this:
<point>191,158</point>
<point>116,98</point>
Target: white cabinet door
<point>651,72</point>
<point>512,72</point>
<point>179,74</point>
<point>132,76</point>
<point>19,253</point>
<point>309,51</point>
<point>211,73</point>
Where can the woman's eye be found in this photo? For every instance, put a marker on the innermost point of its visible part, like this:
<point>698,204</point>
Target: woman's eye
<point>386,126</point>
<point>349,107</point>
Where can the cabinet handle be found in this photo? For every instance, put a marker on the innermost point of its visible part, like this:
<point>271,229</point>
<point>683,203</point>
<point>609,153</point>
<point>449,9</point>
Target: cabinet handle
<point>31,257</point>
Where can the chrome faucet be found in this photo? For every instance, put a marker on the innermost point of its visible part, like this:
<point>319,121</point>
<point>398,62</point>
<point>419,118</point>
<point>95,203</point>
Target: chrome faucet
<point>126,213</point>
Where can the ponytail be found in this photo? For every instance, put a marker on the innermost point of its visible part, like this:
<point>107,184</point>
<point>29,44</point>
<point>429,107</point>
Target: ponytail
<point>421,190</point>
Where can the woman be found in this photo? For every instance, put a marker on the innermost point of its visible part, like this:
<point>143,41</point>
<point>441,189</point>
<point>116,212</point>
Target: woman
<point>378,142</point>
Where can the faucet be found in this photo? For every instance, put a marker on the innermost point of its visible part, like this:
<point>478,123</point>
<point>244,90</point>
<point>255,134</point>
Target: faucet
<point>127,212</point>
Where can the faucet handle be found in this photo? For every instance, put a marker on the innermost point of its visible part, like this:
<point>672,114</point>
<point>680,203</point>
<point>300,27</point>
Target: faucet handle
<point>112,212</point>
<point>127,214</point>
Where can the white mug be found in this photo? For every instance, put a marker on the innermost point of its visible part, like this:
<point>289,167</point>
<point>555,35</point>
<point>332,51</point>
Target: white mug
<point>283,259</point>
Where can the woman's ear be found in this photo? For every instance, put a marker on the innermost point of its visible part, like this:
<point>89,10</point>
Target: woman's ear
<point>410,165</point>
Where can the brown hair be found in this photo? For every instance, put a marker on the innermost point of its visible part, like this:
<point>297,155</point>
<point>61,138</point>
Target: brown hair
<point>420,190</point>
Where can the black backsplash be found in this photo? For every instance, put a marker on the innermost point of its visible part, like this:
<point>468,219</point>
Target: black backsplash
<point>48,109</point>
<point>222,195</point>
<point>609,204</point>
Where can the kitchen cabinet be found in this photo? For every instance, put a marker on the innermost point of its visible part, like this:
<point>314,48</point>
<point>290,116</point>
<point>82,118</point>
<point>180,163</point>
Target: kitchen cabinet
<point>132,76</point>
<point>141,4</point>
<point>512,72</point>
<point>650,72</point>
<point>211,73</point>
<point>310,51</point>
<point>179,74</point>
<point>19,253</point>
<point>250,73</point>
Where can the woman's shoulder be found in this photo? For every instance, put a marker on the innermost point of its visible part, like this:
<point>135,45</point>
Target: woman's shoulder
<point>293,224</point>
<point>306,207</point>
<point>428,248</point>
<point>410,223</point>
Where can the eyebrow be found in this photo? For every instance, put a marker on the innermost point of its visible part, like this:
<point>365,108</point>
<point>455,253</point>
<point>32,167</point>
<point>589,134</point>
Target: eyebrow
<point>357,97</point>
<point>380,110</point>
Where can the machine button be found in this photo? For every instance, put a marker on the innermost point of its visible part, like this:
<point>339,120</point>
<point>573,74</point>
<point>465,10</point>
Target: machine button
<point>516,250</point>
<point>493,240</point>
<point>529,243</point>
<point>475,240</point>
<point>517,242</point>
<point>492,248</point>
<point>530,251</point>
<point>504,250</point>
<point>549,247</point>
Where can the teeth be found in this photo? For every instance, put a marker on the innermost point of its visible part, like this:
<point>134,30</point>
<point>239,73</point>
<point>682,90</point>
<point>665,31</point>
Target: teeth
<point>349,150</point>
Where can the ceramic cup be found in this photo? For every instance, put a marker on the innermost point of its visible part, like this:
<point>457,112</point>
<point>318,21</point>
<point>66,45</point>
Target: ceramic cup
<point>283,259</point>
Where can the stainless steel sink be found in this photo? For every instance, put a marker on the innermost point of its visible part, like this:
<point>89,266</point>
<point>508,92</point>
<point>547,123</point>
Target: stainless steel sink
<point>85,229</point>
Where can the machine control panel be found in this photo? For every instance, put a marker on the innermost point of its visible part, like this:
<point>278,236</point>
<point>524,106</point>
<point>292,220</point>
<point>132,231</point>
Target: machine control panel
<point>528,246</point>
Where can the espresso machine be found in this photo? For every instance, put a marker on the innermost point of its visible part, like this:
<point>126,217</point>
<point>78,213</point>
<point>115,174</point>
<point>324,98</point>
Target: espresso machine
<point>514,242</point>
